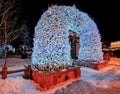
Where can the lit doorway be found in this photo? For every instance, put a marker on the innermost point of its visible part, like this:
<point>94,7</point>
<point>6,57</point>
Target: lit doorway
<point>75,44</point>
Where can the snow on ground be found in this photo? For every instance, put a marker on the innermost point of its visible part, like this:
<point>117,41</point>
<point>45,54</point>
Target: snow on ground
<point>18,85</point>
<point>14,63</point>
<point>109,77</point>
<point>15,84</point>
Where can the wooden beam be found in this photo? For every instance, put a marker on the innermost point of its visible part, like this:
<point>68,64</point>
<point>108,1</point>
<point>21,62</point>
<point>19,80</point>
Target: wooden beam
<point>15,71</point>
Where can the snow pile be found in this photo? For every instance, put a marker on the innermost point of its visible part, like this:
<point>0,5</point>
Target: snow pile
<point>17,86</point>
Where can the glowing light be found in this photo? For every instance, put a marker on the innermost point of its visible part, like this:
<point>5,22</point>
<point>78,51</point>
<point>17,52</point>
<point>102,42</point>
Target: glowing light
<point>115,44</point>
<point>51,42</point>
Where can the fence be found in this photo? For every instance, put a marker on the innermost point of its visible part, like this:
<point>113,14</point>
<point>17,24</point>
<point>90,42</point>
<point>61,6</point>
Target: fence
<point>27,72</point>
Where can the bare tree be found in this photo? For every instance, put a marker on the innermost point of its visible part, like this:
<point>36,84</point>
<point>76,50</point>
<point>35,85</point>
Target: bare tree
<point>10,28</point>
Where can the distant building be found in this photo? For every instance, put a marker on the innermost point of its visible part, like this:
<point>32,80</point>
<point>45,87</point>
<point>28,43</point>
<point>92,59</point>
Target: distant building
<point>115,45</point>
<point>115,48</point>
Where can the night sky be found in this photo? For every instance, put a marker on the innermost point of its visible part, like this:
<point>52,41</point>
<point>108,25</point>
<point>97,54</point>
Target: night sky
<point>105,14</point>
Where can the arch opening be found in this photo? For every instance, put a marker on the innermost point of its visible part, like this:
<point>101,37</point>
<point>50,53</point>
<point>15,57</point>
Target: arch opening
<point>74,40</point>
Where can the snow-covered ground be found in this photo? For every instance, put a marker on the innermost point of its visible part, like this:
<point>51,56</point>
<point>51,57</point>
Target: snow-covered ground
<point>108,77</point>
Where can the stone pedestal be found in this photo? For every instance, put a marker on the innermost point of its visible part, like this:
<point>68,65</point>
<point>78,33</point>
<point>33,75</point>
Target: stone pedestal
<point>50,80</point>
<point>98,66</point>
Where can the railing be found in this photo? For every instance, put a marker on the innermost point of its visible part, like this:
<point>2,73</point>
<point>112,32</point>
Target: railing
<point>27,72</point>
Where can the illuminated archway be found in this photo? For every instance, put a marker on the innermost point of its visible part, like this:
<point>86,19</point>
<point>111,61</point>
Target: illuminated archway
<point>51,42</point>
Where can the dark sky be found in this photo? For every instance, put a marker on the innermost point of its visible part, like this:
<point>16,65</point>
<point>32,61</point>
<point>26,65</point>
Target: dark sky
<point>104,12</point>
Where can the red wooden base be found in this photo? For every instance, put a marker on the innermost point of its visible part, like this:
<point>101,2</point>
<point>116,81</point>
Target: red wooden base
<point>98,66</point>
<point>51,80</point>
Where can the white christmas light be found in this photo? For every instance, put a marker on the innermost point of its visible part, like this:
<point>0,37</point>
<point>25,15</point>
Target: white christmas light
<point>51,42</point>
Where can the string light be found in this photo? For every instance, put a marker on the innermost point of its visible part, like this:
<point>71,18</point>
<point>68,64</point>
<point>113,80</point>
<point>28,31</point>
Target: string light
<point>51,42</point>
